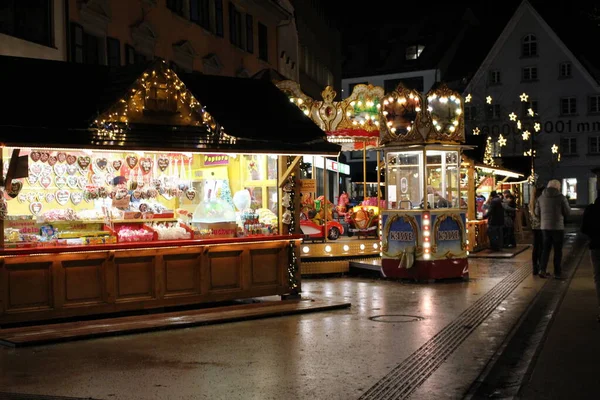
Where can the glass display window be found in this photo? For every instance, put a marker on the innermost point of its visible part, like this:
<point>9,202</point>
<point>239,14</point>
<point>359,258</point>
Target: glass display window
<point>404,179</point>
<point>443,179</point>
<point>82,197</point>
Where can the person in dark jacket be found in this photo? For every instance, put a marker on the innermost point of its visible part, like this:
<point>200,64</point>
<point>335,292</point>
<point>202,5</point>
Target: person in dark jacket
<point>538,239</point>
<point>510,211</point>
<point>552,208</point>
<point>589,227</point>
<point>495,218</point>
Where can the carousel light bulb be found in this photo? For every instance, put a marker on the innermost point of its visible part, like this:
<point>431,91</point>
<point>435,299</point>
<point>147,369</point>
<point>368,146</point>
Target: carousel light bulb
<point>327,249</point>
<point>455,122</point>
<point>401,100</point>
<point>359,103</point>
<point>346,247</point>
<point>443,100</point>
<point>426,245</point>
<point>378,106</point>
<point>418,109</point>
<point>430,109</point>
<point>426,234</point>
<point>391,99</point>
<point>305,249</point>
<point>452,128</point>
<point>408,129</point>
<point>348,114</point>
<point>377,123</point>
<point>389,123</point>
<point>434,121</point>
<point>306,112</point>
<point>375,246</point>
<point>426,256</point>
<point>352,103</point>
<point>362,122</point>
<point>385,112</point>
<point>362,246</point>
<point>458,111</point>
<point>354,123</point>
<point>291,99</point>
<point>300,101</point>
<point>385,102</point>
<point>393,130</point>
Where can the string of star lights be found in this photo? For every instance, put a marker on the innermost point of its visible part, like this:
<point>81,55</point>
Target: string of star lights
<point>290,189</point>
<point>159,89</point>
<point>526,127</point>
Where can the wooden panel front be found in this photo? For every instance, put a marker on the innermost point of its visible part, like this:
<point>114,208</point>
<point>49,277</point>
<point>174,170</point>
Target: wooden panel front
<point>84,281</point>
<point>225,270</point>
<point>182,274</point>
<point>264,264</point>
<point>28,285</point>
<point>135,277</point>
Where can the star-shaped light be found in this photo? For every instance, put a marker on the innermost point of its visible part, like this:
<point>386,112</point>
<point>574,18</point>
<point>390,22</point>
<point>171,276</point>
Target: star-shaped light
<point>512,116</point>
<point>530,112</point>
<point>554,149</point>
<point>501,141</point>
<point>526,135</point>
<point>488,99</point>
<point>559,157</point>
<point>468,98</point>
<point>476,131</point>
<point>537,126</point>
<point>524,97</point>
<point>519,124</point>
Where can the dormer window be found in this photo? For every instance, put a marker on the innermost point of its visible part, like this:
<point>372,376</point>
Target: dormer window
<point>413,52</point>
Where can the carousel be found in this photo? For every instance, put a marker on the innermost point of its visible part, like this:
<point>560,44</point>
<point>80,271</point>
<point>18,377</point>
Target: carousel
<point>423,226</point>
<point>335,229</point>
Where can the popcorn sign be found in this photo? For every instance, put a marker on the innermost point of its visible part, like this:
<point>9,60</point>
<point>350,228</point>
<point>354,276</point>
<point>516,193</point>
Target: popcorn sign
<point>216,159</point>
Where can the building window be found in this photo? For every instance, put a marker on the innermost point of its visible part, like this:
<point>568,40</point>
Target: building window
<point>263,42</point>
<point>200,12</point>
<point>594,145</point>
<point>249,33</point>
<point>235,26</point>
<point>219,18</point>
<point>565,70</point>
<point>413,52</point>
<point>77,45</point>
<point>113,52</point>
<point>594,104</point>
<point>29,20</point>
<point>568,146</point>
<point>568,106</point>
<point>177,6</point>
<point>470,113</point>
<point>133,57</point>
<point>529,105</point>
<point>529,46</point>
<point>492,111</point>
<point>495,78</point>
<point>85,48</point>
<point>529,74</point>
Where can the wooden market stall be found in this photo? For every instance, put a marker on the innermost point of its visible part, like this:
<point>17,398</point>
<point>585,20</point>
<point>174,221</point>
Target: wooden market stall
<point>137,188</point>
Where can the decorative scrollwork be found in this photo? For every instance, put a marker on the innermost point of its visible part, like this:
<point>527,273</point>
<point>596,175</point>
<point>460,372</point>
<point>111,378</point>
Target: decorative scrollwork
<point>461,231</point>
<point>386,232</point>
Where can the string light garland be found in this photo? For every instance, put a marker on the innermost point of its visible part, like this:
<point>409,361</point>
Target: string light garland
<point>290,220</point>
<point>487,156</point>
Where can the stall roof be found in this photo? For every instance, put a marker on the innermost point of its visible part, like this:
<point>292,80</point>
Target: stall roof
<point>55,103</point>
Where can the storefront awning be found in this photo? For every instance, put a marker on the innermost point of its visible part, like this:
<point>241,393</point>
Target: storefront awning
<point>55,104</point>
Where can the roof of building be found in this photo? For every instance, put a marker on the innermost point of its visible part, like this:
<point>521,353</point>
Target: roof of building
<point>56,103</point>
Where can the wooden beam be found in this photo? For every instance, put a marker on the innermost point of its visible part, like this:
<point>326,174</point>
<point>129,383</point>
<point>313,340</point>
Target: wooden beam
<point>288,171</point>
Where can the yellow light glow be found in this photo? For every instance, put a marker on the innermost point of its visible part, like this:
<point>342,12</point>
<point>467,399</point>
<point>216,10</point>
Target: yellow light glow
<point>524,97</point>
<point>468,98</point>
<point>512,116</point>
<point>476,131</point>
<point>488,99</point>
<point>554,149</point>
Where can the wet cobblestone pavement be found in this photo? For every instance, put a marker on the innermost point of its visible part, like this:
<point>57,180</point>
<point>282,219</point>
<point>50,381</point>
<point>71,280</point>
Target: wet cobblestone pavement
<point>340,354</point>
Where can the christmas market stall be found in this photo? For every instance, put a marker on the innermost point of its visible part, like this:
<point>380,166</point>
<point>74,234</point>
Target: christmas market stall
<point>137,188</point>
<point>423,227</point>
<point>354,124</point>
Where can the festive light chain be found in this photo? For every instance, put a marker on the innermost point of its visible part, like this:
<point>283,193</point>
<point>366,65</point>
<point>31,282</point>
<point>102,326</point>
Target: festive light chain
<point>292,259</point>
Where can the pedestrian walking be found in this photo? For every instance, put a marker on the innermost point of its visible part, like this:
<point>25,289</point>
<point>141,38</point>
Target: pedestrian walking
<point>589,227</point>
<point>536,253</point>
<point>510,211</point>
<point>552,208</point>
<point>495,218</point>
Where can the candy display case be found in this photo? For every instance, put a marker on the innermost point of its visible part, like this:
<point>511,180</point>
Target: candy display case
<point>147,202</point>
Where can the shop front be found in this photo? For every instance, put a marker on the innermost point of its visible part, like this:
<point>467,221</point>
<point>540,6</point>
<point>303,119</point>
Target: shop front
<point>146,190</point>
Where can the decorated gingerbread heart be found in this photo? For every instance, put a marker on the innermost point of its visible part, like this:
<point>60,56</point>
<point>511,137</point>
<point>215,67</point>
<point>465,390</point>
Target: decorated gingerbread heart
<point>84,162</point>
<point>76,197</point>
<point>71,159</point>
<point>32,179</point>
<point>45,181</point>
<point>46,170</point>
<point>44,156</point>
<point>101,163</point>
<point>60,182</point>
<point>62,197</point>
<point>22,197</point>
<point>117,164</point>
<point>131,161</point>
<point>15,189</point>
<point>72,182</point>
<point>52,160</point>
<point>146,165</point>
<point>62,157</point>
<point>190,194</point>
<point>163,163</point>
<point>35,207</point>
<point>35,156</point>
<point>60,169</point>
<point>50,197</point>
<point>71,169</point>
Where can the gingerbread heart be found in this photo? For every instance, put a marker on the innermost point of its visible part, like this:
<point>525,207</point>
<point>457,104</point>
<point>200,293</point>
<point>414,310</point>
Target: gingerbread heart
<point>190,194</point>
<point>102,192</point>
<point>71,159</point>
<point>44,156</point>
<point>46,170</point>
<point>131,161</point>
<point>15,189</point>
<point>146,165</point>
<point>35,169</point>
<point>52,160</point>
<point>109,179</point>
<point>31,197</point>
<point>60,169</point>
<point>32,179</point>
<point>45,181</point>
<point>35,207</point>
<point>137,194</point>
<point>49,197</point>
<point>62,157</point>
<point>62,197</point>
<point>117,164</point>
<point>61,181</point>
<point>71,169</point>
<point>76,197</point>
<point>101,163</point>
<point>84,162</point>
<point>22,197</point>
<point>82,182</point>
<point>72,182</point>
<point>35,156</point>
<point>97,179</point>
<point>163,163</point>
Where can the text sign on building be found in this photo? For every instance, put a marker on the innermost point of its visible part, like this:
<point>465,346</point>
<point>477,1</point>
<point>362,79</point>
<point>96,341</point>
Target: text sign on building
<point>308,185</point>
<point>331,165</point>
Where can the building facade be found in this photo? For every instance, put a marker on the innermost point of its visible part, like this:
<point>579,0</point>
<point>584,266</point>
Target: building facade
<point>33,29</point>
<point>531,77</point>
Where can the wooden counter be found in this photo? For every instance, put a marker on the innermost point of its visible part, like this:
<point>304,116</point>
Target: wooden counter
<point>478,237</point>
<point>48,283</point>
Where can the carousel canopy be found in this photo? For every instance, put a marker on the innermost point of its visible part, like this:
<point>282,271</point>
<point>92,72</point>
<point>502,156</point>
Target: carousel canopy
<point>149,107</point>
